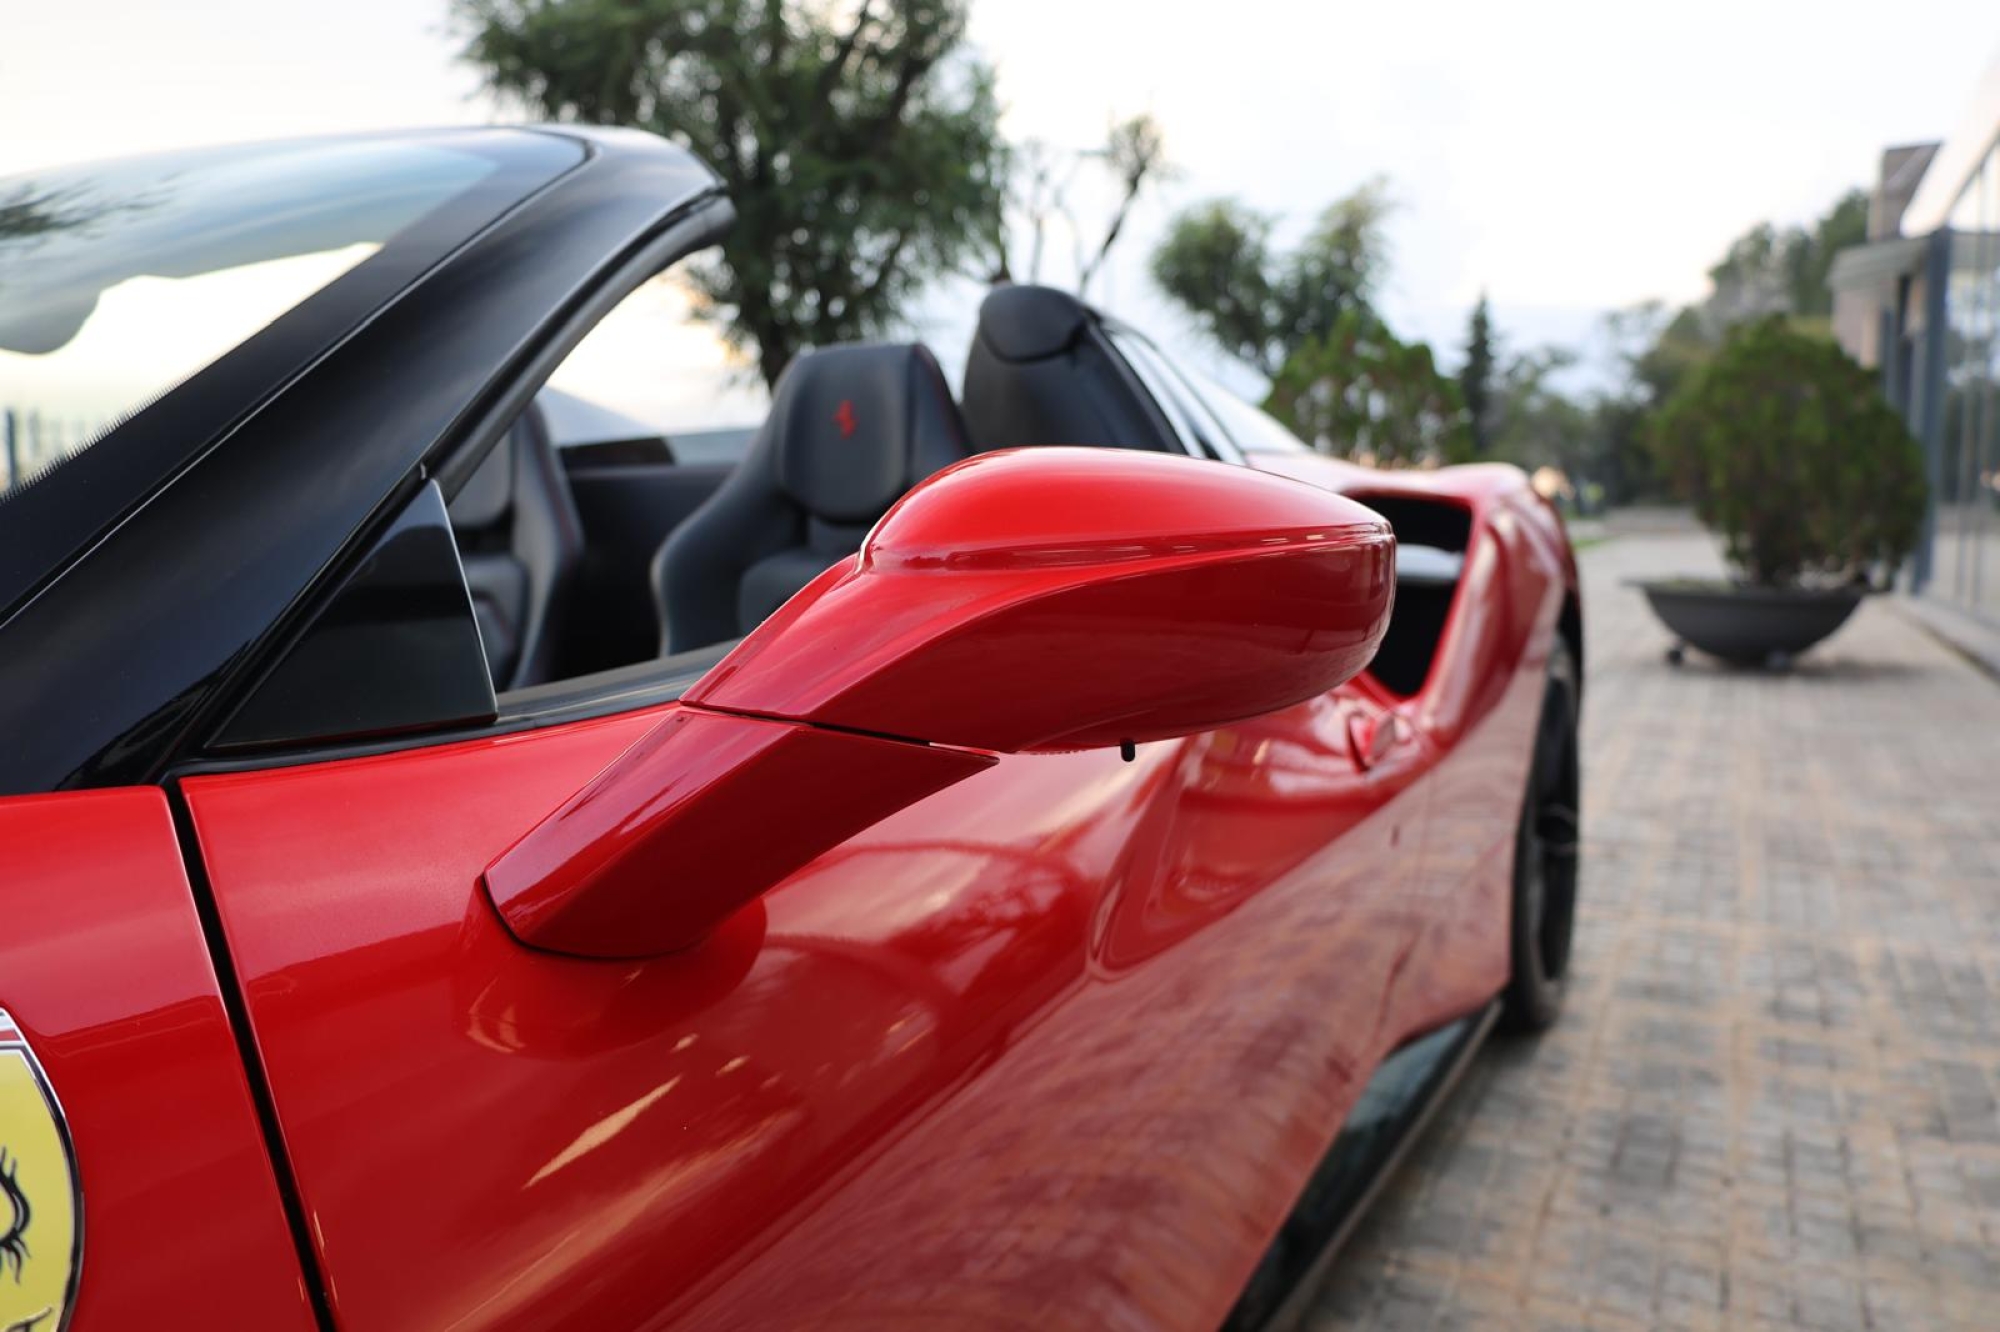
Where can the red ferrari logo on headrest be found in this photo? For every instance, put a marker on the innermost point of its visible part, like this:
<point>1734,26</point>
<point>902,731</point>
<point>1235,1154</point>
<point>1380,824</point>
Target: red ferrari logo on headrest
<point>843,417</point>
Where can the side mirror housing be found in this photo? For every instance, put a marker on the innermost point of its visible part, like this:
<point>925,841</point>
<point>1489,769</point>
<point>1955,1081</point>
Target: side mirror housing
<point>1029,600</point>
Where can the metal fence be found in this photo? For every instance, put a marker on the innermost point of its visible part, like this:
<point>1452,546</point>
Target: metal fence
<point>31,442</point>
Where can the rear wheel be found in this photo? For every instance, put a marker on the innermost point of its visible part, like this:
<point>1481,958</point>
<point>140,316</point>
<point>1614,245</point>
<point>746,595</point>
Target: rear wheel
<point>1545,856</point>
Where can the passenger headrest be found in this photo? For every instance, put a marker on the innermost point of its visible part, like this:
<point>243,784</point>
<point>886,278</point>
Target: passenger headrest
<point>857,426</point>
<point>1030,323</point>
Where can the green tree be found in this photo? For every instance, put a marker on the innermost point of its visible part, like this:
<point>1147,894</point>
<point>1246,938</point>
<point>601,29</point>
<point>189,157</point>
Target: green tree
<point>1475,377</point>
<point>1536,424</point>
<point>1774,270</point>
<point>859,143</point>
<point>1768,270</point>
<point>1258,304</point>
<point>1359,392</point>
<point>1788,451</point>
<point>1677,348</point>
<point>1657,349</point>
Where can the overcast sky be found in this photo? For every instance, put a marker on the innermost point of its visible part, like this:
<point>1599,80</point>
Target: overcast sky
<point>1568,157</point>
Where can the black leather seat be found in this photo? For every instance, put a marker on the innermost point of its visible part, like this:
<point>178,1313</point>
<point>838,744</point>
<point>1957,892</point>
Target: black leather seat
<point>851,428</point>
<point>521,542</point>
<point>1042,371</point>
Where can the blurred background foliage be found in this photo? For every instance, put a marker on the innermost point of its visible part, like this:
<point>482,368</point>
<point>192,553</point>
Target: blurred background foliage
<point>1261,305</point>
<point>1306,320</point>
<point>1358,392</point>
<point>1788,451</point>
<point>861,142</point>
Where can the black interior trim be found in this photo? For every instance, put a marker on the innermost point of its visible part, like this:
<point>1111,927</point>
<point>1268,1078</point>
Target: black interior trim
<point>628,512</point>
<point>1423,604</point>
<point>394,648</point>
<point>645,684</point>
<point>648,451</point>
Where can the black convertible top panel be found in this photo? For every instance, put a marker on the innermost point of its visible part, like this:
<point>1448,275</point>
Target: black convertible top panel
<point>173,556</point>
<point>187,213</point>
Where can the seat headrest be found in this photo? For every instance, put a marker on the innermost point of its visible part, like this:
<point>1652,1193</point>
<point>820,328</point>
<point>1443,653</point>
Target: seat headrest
<point>1021,323</point>
<point>857,426</point>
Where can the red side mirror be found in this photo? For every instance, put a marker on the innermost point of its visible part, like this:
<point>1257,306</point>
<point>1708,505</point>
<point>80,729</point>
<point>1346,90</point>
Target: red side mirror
<point>1035,599</point>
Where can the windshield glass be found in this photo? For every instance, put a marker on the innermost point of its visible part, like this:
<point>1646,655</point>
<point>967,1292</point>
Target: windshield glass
<point>120,280</point>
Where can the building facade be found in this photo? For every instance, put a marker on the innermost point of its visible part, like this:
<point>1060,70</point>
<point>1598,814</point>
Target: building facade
<point>1921,302</point>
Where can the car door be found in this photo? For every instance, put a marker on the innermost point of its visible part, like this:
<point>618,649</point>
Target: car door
<point>1056,1044</point>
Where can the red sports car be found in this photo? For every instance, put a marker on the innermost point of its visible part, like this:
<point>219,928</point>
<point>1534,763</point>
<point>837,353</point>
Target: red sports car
<point>1025,858</point>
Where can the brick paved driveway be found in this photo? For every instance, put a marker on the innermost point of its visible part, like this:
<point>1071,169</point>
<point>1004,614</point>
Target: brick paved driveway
<point>1771,1101</point>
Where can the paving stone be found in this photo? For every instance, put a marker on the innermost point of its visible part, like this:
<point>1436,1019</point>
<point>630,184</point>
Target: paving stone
<point>1774,1098</point>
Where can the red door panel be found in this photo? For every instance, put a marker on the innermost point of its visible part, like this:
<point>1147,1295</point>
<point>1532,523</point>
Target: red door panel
<point>1055,1046</point>
<point>1125,1163</point>
<point>104,968</point>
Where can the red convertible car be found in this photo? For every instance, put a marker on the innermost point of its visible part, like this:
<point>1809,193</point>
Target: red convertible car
<point>1022,858</point>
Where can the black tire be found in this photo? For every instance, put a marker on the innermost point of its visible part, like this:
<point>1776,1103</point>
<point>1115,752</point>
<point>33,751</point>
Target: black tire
<point>1545,857</point>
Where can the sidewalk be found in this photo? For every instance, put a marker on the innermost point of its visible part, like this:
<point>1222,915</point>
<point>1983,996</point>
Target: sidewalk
<point>1771,1102</point>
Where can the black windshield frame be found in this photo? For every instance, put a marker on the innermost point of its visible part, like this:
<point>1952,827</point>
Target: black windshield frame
<point>126,659</point>
<point>47,524</point>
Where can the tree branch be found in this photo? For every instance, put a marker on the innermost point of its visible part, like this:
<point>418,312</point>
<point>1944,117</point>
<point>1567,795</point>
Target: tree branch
<point>830,74</point>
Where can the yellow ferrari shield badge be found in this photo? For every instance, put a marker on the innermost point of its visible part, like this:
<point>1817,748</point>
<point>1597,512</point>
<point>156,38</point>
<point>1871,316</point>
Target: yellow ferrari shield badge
<point>41,1214</point>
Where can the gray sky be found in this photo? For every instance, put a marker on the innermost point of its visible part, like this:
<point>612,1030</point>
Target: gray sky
<point>1568,156</point>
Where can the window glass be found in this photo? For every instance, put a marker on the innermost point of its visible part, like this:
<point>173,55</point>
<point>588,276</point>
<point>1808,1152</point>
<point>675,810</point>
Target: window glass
<point>637,426</point>
<point>1984,369</point>
<point>1967,545</point>
<point>656,362</point>
<point>1159,382</point>
<point>119,281</point>
<point>1254,431</point>
<point>1215,437</point>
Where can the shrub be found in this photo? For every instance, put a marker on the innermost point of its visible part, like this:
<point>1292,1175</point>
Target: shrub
<point>1359,392</point>
<point>1789,452</point>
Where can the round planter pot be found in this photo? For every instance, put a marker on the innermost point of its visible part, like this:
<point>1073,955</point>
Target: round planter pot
<point>1750,626</point>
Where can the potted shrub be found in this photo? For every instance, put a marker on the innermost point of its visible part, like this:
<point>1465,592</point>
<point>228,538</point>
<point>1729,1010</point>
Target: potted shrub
<point>1789,453</point>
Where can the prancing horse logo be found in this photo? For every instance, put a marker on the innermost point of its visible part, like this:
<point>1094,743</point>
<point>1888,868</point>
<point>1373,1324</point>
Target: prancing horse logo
<point>41,1213</point>
<point>843,416</point>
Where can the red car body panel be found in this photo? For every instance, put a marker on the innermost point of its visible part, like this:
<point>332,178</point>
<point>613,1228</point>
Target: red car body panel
<point>605,1143</point>
<point>106,971</point>
<point>1055,1046</point>
<point>1478,709</point>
